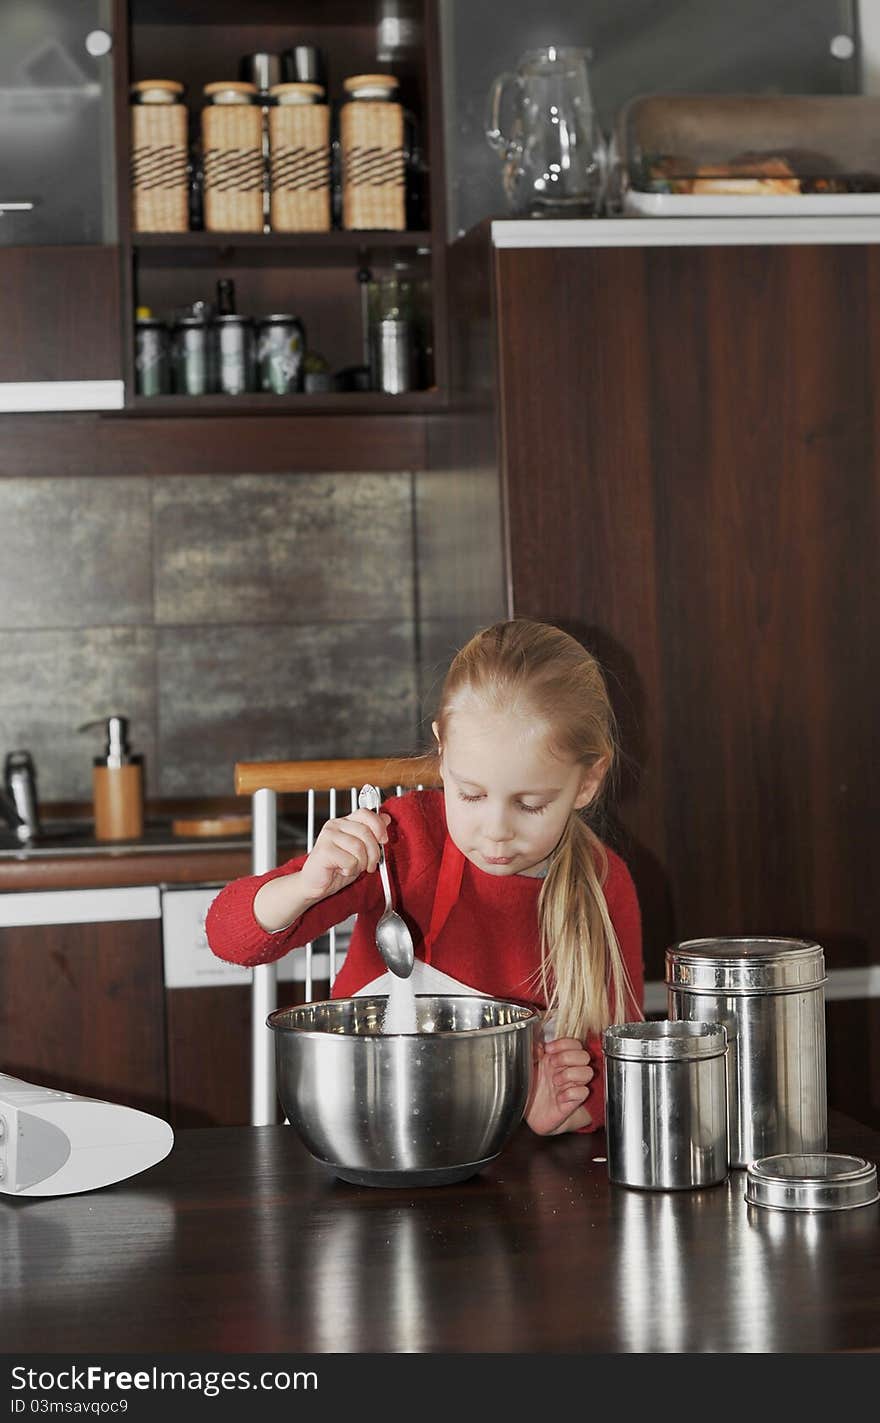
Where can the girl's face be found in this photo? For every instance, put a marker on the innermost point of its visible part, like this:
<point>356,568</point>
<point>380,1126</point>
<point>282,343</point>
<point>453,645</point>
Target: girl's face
<point>508,798</point>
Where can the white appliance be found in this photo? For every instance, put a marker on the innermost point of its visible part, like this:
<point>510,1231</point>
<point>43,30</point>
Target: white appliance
<point>190,963</point>
<point>55,1143</point>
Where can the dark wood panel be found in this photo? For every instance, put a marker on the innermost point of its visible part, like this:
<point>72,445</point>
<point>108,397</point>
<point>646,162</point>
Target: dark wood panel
<point>209,444</point>
<point>575,383</point>
<point>209,1062</point>
<point>81,1009</point>
<point>60,313</point>
<point>852,1034</point>
<point>270,444</point>
<point>766,499</point>
<point>208,1056</point>
<point>689,453</point>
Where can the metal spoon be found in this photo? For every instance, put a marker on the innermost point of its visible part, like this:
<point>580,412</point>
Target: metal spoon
<point>393,939</point>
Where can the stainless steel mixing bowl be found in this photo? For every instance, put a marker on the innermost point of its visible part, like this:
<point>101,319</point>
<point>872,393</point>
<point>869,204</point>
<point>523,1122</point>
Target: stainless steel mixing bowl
<point>395,1109</point>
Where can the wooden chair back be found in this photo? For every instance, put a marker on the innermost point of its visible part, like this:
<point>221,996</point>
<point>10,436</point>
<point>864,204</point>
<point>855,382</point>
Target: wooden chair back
<point>331,789</point>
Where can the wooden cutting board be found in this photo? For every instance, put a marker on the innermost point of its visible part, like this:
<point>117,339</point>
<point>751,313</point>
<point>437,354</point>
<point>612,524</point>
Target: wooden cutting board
<point>209,826</point>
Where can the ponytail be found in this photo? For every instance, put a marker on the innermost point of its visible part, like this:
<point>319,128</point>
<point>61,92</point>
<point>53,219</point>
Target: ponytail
<point>583,975</point>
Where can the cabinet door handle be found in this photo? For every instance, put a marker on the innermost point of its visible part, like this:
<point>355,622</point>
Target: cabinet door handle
<point>15,207</point>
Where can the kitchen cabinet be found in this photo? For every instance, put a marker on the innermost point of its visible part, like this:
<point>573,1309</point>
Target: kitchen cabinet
<point>314,275</point>
<point>209,1051</point>
<point>81,993</point>
<point>70,263</point>
<point>60,260</point>
<point>670,450</point>
<point>208,1012</point>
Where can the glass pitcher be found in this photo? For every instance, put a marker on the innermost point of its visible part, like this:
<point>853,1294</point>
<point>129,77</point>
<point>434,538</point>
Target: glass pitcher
<point>554,155</point>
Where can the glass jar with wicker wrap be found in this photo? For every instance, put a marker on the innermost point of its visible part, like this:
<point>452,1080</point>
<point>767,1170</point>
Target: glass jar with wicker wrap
<point>232,155</point>
<point>371,135</point>
<point>299,158</point>
<point>159,157</point>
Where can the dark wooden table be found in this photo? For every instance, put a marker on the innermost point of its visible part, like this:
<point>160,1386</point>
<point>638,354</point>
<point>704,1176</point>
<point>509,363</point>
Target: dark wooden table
<point>239,1242</point>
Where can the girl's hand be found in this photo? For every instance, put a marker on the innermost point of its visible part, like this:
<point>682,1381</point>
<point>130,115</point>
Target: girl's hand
<point>343,850</point>
<point>560,1086</point>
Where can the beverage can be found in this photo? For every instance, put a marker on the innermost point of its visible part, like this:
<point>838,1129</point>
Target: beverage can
<point>151,356</point>
<point>234,337</point>
<point>193,363</point>
<point>280,353</point>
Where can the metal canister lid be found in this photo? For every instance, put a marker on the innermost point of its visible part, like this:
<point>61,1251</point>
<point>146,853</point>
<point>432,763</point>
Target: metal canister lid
<point>232,319</point>
<point>745,965</point>
<point>814,1181</point>
<point>664,1041</point>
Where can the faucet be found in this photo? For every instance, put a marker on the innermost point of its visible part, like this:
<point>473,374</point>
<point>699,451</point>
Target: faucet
<point>18,798</point>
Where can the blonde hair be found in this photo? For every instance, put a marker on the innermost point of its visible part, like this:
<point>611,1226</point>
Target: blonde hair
<point>538,670</point>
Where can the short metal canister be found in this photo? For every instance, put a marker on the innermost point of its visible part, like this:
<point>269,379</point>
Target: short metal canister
<point>666,1104</point>
<point>769,994</point>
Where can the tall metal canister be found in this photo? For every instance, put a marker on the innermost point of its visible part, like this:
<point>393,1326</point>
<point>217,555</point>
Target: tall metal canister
<point>770,996</point>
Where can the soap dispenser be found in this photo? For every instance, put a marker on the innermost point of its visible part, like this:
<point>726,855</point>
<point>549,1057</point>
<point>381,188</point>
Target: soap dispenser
<point>117,784</point>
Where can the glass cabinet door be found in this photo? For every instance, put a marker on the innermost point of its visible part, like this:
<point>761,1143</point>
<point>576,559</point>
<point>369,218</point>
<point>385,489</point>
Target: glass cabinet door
<point>56,122</point>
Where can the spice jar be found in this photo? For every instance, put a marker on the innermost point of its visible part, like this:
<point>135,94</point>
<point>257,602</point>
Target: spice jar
<point>232,147</point>
<point>299,158</point>
<point>371,136</point>
<point>159,157</point>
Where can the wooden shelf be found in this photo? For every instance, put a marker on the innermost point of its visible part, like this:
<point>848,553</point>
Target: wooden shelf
<point>273,248</point>
<point>354,402</point>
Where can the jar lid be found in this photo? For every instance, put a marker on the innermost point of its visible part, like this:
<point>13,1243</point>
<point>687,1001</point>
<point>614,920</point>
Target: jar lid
<point>664,1041</point>
<point>745,965</point>
<point>157,91</point>
<point>230,91</point>
<point>371,85</point>
<point>277,317</point>
<point>233,319</point>
<point>297,93</point>
<point>815,1181</point>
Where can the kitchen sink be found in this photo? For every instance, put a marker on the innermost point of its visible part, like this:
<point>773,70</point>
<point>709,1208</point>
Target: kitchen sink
<point>58,838</point>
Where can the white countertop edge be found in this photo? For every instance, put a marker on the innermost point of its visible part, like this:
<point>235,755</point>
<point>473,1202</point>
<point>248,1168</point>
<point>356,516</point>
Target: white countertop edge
<point>79,906</point>
<point>18,397</point>
<point>683,231</point>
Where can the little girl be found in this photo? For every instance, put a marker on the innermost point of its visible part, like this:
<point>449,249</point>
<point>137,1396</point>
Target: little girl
<point>506,889</point>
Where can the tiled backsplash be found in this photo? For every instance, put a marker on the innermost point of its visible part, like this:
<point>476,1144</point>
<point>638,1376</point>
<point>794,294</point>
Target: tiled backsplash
<point>229,617</point>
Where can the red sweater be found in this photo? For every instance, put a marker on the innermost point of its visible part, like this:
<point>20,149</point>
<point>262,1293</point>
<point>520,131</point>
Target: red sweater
<point>489,942</point>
